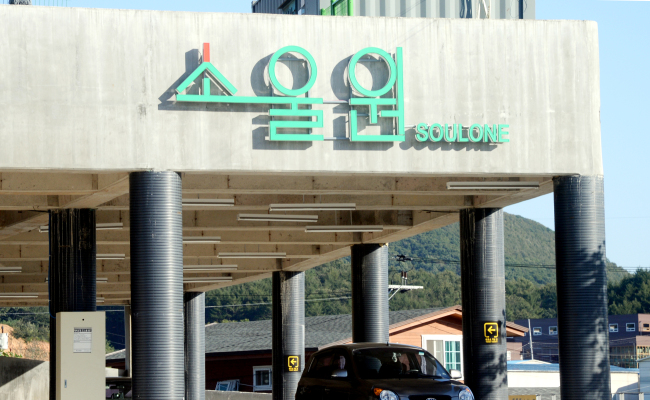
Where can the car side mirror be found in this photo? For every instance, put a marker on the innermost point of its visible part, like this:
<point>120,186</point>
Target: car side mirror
<point>455,374</point>
<point>340,373</point>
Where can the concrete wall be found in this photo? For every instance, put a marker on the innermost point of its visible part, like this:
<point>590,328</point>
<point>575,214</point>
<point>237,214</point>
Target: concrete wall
<point>621,381</point>
<point>24,379</point>
<point>93,89</point>
<point>625,382</point>
<point>644,376</point>
<point>212,395</point>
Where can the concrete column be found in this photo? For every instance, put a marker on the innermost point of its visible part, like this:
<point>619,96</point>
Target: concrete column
<point>583,331</point>
<point>72,275</point>
<point>127,342</point>
<point>370,293</point>
<point>157,285</point>
<point>288,336</point>
<point>194,346</point>
<point>484,303</point>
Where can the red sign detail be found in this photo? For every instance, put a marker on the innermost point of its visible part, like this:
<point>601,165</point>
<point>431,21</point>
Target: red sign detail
<point>206,52</point>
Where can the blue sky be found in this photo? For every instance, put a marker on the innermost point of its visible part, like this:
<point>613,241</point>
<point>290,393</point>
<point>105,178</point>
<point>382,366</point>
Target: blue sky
<point>624,34</point>
<point>625,83</point>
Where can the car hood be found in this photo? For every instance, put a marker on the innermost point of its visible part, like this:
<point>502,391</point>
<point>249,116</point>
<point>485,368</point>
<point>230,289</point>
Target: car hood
<point>420,386</point>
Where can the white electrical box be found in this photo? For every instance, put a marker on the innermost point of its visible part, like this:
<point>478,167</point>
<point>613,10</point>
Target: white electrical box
<point>80,355</point>
<point>4,341</point>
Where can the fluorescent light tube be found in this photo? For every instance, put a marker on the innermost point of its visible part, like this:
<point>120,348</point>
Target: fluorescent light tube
<point>209,268</point>
<point>277,218</point>
<point>252,255</point>
<point>11,270</point>
<point>201,239</point>
<point>345,228</point>
<point>111,256</point>
<point>18,295</point>
<point>208,202</point>
<point>313,207</point>
<point>100,227</point>
<point>208,279</point>
<point>109,226</point>
<point>492,185</point>
<point>100,300</point>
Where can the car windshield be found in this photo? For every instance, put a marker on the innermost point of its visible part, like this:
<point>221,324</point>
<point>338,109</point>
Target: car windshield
<point>391,363</point>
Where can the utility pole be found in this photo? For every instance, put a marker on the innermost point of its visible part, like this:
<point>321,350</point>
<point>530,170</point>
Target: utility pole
<point>530,340</point>
<point>403,287</point>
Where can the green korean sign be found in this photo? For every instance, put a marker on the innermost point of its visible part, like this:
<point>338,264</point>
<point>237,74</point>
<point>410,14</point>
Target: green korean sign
<point>310,119</point>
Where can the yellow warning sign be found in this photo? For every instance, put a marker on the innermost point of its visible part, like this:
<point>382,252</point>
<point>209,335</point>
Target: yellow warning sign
<point>293,364</point>
<point>491,330</point>
<point>523,397</point>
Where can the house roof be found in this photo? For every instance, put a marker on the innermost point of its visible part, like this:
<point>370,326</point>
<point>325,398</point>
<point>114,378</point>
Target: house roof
<point>320,332</point>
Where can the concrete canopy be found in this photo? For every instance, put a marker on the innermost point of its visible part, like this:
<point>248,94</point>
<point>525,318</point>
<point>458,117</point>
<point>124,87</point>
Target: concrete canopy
<point>87,96</point>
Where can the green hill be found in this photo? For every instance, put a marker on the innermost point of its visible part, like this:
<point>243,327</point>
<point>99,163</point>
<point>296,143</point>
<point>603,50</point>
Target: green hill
<point>530,290</point>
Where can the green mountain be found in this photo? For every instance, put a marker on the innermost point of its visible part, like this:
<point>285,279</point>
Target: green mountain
<point>530,288</point>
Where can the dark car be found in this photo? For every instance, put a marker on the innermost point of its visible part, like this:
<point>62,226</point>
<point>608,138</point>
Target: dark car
<point>367,371</point>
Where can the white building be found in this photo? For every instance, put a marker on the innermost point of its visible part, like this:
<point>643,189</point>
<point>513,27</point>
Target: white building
<point>539,374</point>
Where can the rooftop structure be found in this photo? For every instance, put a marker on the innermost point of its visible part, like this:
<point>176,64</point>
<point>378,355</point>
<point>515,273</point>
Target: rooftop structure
<point>490,9</point>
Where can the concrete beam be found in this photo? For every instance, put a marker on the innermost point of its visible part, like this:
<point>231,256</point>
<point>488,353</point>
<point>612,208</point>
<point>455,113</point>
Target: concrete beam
<point>38,183</point>
<point>103,190</point>
<point>331,185</point>
<point>41,288</point>
<point>495,201</point>
<point>296,237</point>
<point>371,202</point>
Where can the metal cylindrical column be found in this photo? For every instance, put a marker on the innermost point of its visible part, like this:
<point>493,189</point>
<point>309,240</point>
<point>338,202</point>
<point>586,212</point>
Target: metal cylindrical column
<point>157,285</point>
<point>370,293</point>
<point>484,303</point>
<point>194,345</point>
<point>583,332</point>
<point>72,270</point>
<point>288,336</point>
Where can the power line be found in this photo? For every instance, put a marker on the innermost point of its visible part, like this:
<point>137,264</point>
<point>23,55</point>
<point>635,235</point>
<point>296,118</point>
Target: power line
<point>267,303</point>
<point>403,258</point>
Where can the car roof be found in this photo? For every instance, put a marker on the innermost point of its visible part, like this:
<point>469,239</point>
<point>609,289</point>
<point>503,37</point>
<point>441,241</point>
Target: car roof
<point>358,346</point>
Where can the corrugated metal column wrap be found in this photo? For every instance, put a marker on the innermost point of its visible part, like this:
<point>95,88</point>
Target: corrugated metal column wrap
<point>72,270</point>
<point>484,303</point>
<point>370,293</point>
<point>157,285</point>
<point>582,287</point>
<point>288,332</point>
<point>194,346</point>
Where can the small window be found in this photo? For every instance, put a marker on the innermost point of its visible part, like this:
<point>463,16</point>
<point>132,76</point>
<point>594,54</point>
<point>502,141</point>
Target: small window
<point>552,330</point>
<point>537,331</point>
<point>613,327</point>
<point>339,362</point>
<point>262,379</point>
<point>630,327</point>
<point>289,8</point>
<point>322,365</point>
